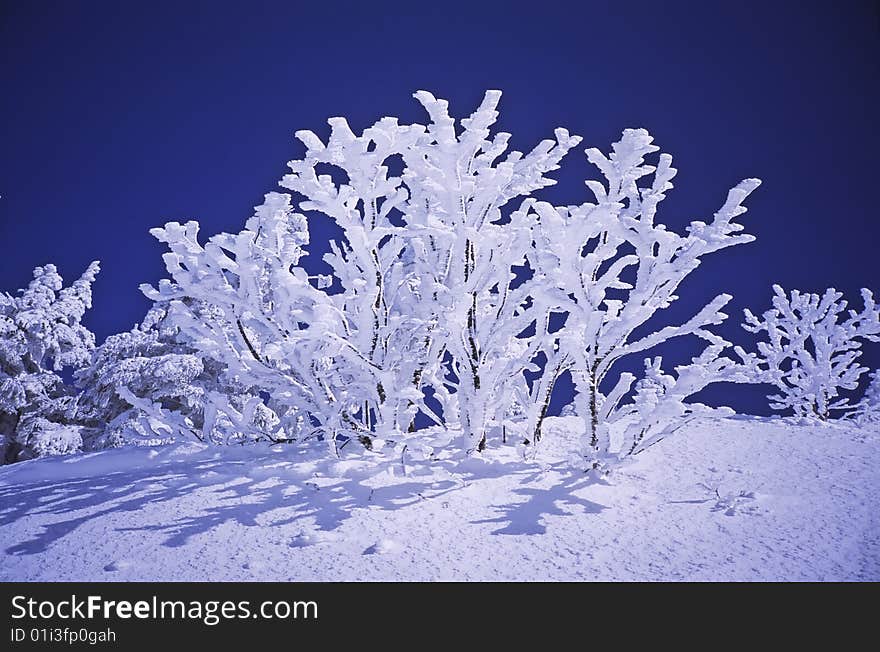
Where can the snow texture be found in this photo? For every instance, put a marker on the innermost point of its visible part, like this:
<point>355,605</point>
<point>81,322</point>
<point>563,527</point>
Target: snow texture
<point>729,499</point>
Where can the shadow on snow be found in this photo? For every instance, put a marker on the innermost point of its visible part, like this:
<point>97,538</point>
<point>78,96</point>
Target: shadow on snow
<point>527,516</point>
<point>269,499</point>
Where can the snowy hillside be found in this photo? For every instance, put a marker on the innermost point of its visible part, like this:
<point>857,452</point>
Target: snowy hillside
<point>732,499</point>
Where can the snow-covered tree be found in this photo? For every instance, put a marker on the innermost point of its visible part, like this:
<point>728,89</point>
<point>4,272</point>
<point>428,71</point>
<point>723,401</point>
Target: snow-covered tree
<point>383,342</point>
<point>41,334</point>
<point>266,323</point>
<point>432,292</point>
<point>611,267</point>
<point>427,300</point>
<point>149,362</point>
<point>812,348</point>
<point>440,290</point>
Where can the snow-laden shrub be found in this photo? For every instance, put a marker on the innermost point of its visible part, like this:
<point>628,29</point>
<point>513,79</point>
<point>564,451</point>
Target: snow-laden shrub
<point>427,297</point>
<point>659,406</point>
<point>441,294</point>
<point>812,348</point>
<point>568,410</point>
<point>44,437</point>
<point>41,334</point>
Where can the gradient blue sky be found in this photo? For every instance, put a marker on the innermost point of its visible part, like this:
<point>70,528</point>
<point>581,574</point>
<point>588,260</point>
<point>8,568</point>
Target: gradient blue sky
<point>120,116</point>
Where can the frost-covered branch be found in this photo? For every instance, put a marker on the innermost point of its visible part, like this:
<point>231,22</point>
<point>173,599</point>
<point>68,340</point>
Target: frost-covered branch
<point>614,267</point>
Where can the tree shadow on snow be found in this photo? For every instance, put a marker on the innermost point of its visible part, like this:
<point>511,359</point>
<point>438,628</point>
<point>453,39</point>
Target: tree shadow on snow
<point>258,492</point>
<point>234,496</point>
<point>528,516</point>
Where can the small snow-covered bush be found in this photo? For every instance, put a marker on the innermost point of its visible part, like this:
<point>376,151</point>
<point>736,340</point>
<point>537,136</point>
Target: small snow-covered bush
<point>569,410</point>
<point>812,348</point>
<point>868,409</point>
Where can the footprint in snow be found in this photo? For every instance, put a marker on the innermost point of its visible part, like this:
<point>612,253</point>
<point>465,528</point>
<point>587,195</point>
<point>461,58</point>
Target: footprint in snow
<point>118,565</point>
<point>304,539</point>
<point>383,547</point>
<point>253,565</point>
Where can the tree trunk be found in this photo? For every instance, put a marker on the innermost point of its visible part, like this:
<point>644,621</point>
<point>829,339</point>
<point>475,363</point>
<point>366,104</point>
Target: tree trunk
<point>13,448</point>
<point>594,412</point>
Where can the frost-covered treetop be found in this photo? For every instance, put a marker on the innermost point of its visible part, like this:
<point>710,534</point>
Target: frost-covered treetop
<point>451,177</point>
<point>43,324</point>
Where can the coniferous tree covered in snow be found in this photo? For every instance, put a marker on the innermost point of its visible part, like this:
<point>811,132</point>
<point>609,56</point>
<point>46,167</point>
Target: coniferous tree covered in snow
<point>812,348</point>
<point>150,385</point>
<point>40,335</point>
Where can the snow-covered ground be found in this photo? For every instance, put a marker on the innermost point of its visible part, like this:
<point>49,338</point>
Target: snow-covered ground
<point>740,499</point>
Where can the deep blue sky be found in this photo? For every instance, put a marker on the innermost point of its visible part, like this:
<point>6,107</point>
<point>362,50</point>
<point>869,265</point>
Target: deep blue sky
<point>120,116</point>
